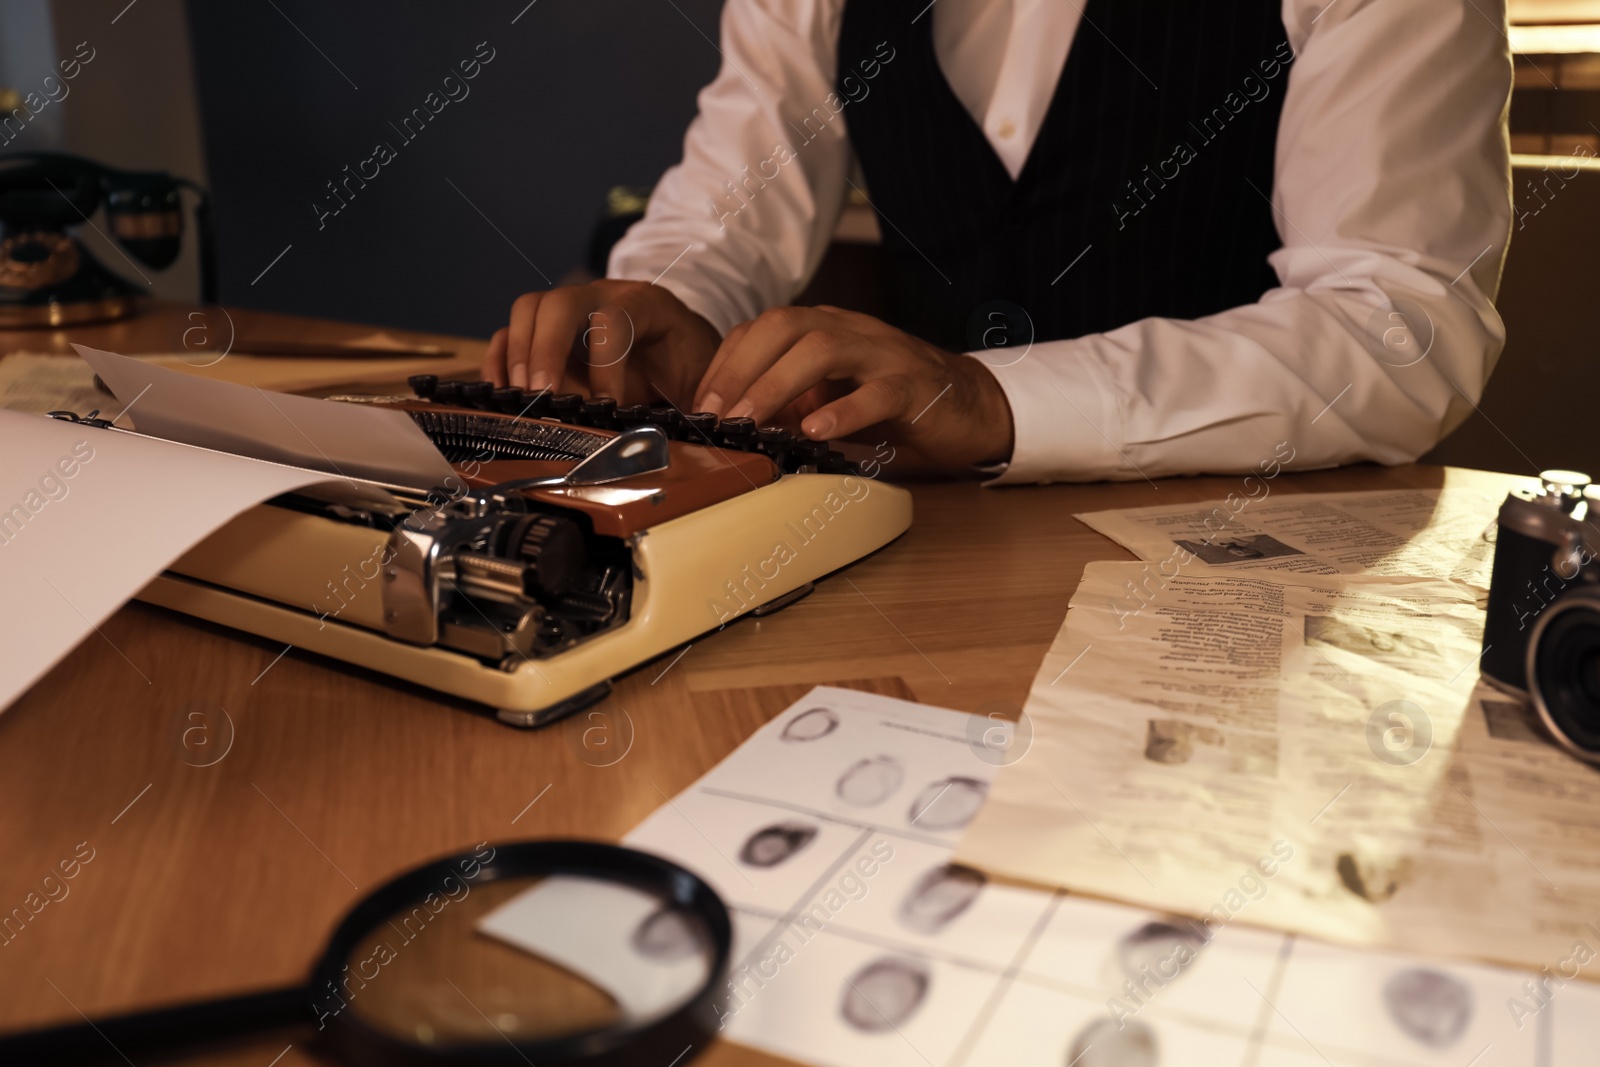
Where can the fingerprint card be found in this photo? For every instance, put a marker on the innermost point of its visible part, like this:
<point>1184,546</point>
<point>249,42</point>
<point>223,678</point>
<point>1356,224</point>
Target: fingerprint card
<point>859,942</point>
<point>866,760</point>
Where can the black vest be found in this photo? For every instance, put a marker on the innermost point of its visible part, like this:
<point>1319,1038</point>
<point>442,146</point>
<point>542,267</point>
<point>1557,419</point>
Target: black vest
<point>1151,176</point>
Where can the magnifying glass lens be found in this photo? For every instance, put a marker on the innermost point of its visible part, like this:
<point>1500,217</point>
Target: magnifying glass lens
<point>522,960</point>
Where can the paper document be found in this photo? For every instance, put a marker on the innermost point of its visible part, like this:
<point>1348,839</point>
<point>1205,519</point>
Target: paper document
<point>1177,743</point>
<point>37,384</point>
<point>89,515</point>
<point>41,382</point>
<point>347,440</point>
<point>861,942</point>
<point>598,933</point>
<point>1429,533</point>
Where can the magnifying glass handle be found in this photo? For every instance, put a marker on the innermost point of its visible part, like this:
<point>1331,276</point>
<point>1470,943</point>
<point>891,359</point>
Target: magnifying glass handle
<point>122,1038</point>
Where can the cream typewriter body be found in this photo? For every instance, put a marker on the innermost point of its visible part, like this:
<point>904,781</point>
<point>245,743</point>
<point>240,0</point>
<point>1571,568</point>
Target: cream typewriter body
<point>580,541</point>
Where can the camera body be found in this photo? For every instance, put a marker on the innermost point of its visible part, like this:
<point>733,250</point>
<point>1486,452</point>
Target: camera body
<point>1541,637</point>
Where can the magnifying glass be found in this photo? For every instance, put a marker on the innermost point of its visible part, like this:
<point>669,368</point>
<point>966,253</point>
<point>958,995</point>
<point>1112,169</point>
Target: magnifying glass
<point>549,952</point>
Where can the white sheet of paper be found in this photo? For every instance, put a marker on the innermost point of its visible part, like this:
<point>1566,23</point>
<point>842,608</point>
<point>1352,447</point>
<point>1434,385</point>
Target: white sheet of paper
<point>350,440</point>
<point>75,546</point>
<point>857,945</point>
<point>589,926</point>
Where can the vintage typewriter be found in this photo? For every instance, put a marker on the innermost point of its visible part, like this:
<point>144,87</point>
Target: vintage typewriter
<point>583,539</point>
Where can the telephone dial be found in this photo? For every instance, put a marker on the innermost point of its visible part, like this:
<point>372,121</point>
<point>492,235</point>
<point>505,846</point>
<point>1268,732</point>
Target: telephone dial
<point>47,276</point>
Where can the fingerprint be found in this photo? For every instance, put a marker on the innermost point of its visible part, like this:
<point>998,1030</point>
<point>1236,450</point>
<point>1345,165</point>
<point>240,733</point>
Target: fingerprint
<point>1108,1043</point>
<point>1168,741</point>
<point>810,725</point>
<point>947,804</point>
<point>869,782</point>
<point>1159,947</point>
<point>771,845</point>
<point>667,934</point>
<point>884,994</point>
<point>939,896</point>
<point>1432,1007</point>
<point>1372,879</point>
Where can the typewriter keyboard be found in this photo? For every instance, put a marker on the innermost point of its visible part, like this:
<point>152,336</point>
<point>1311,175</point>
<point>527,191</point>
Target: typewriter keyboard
<point>537,424</point>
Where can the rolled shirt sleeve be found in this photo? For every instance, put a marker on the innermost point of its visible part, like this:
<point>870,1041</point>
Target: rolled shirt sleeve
<point>742,222</point>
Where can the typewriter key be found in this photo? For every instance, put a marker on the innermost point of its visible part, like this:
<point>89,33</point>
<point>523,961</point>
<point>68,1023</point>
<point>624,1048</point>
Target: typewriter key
<point>599,412</point>
<point>774,441</point>
<point>476,394</point>
<point>536,402</point>
<point>805,455</point>
<point>447,393</point>
<point>630,415</point>
<point>738,433</point>
<point>423,385</point>
<point>665,416</point>
<point>700,428</point>
<point>508,401</point>
<point>564,406</point>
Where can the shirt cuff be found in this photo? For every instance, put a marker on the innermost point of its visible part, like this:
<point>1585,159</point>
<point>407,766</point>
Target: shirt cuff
<point>1064,415</point>
<point>707,307</point>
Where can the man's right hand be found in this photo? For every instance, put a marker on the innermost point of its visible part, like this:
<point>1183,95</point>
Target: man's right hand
<point>630,340</point>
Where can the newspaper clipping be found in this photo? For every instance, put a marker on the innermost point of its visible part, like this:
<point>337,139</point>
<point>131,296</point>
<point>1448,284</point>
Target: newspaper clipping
<point>1287,729</point>
<point>1428,533</point>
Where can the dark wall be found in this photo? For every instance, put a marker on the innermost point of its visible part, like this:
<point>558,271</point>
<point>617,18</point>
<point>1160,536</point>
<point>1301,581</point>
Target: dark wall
<point>132,106</point>
<point>580,95</point>
<point>1537,411</point>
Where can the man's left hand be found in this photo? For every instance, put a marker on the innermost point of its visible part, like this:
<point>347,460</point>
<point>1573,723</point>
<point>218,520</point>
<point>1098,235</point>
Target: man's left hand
<point>841,372</point>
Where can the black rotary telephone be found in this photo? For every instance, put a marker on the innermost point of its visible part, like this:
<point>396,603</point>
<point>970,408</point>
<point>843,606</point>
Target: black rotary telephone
<point>47,277</point>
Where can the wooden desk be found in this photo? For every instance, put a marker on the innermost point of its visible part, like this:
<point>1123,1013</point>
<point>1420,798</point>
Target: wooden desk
<point>225,878</point>
<point>205,336</point>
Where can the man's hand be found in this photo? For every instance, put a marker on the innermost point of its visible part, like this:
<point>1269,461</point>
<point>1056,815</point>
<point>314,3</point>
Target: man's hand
<point>840,372</point>
<point>630,340</point>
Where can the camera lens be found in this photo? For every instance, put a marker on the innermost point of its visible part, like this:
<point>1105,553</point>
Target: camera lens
<point>1564,671</point>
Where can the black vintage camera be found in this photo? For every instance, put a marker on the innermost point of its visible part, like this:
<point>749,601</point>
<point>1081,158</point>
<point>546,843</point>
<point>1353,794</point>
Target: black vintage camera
<point>1541,639</point>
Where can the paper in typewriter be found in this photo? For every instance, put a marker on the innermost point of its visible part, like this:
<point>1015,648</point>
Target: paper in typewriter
<point>1330,730</point>
<point>1430,533</point>
<point>860,942</point>
<point>347,440</point>
<point>89,515</point>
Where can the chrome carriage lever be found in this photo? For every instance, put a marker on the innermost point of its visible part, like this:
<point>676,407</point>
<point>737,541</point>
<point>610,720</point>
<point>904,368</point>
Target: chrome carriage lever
<point>634,451</point>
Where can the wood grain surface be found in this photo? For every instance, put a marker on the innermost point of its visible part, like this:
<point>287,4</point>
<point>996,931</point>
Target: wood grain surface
<point>212,341</point>
<point>227,877</point>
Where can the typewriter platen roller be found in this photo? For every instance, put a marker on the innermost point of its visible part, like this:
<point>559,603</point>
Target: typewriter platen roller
<point>580,539</point>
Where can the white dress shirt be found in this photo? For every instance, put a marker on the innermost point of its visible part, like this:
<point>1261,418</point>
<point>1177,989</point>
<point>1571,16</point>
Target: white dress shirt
<point>1392,199</point>
<point>1002,59</point>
